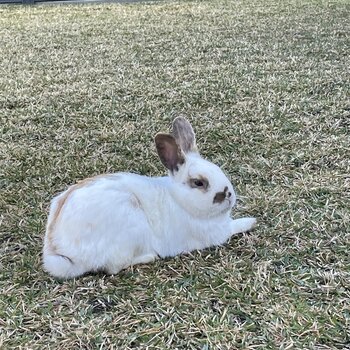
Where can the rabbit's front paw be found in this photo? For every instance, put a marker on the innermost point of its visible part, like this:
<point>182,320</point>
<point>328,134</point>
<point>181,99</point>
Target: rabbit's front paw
<point>243,225</point>
<point>249,223</point>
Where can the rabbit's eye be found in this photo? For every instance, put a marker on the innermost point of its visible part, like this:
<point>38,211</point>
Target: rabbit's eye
<point>198,183</point>
<point>201,183</point>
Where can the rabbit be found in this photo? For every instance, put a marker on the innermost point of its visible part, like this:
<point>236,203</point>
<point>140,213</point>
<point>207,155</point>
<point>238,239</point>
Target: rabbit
<point>109,222</point>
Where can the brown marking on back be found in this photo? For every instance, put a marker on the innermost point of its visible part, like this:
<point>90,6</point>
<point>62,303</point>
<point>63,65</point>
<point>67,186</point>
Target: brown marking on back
<point>62,201</point>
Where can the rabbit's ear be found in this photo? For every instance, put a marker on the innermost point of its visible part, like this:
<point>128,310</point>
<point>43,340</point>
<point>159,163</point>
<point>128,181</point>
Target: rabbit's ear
<point>184,135</point>
<point>169,152</point>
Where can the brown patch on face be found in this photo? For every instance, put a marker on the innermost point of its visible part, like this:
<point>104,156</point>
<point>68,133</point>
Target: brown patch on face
<point>220,196</point>
<point>199,182</point>
<point>62,201</point>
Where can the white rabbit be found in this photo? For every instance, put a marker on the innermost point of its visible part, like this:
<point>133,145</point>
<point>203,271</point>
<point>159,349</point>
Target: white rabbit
<point>110,222</point>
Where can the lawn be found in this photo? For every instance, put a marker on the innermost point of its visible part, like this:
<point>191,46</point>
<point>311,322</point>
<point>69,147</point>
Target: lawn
<point>83,91</point>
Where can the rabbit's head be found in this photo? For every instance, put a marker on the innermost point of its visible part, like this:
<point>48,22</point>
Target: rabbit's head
<point>199,186</point>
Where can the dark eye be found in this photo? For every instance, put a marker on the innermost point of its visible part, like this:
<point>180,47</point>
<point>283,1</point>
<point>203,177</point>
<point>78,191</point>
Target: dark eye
<point>201,183</point>
<point>198,183</point>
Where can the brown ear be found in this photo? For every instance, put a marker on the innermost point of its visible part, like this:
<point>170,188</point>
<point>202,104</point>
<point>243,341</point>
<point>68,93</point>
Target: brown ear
<point>169,152</point>
<point>184,135</point>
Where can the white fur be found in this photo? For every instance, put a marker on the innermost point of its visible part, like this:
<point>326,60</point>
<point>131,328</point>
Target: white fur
<point>124,219</point>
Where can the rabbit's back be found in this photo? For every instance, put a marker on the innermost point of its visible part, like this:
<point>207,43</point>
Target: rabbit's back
<point>98,224</point>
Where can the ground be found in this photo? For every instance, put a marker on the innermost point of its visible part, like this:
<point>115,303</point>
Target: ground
<point>84,89</point>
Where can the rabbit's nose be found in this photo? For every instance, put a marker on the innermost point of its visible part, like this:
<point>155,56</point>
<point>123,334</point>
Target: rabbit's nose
<point>227,192</point>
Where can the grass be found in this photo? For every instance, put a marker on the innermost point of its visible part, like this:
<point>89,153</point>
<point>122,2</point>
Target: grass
<point>266,85</point>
